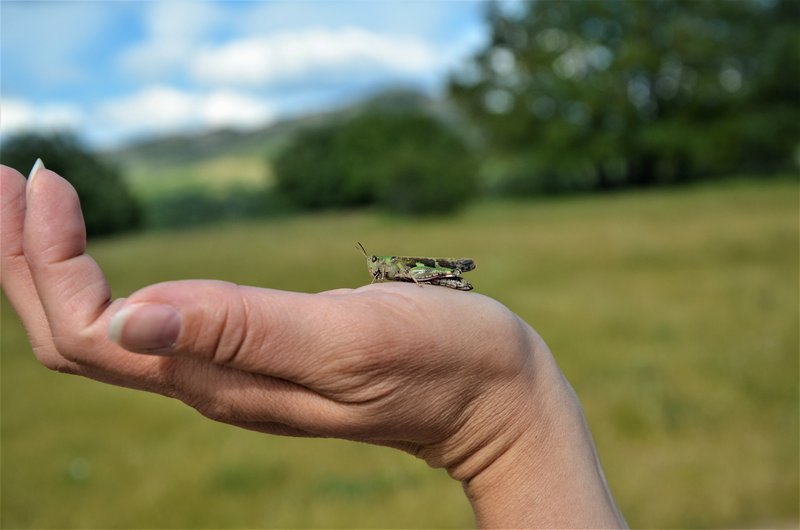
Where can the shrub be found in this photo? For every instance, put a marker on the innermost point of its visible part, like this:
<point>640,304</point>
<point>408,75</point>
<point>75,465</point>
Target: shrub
<point>108,206</point>
<point>197,206</point>
<point>417,164</point>
<point>316,170</point>
<point>405,162</point>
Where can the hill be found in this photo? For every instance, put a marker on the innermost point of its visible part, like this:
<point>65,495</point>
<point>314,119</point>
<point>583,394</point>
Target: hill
<point>189,149</point>
<point>225,161</point>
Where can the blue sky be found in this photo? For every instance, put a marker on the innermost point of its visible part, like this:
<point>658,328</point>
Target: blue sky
<point>114,71</point>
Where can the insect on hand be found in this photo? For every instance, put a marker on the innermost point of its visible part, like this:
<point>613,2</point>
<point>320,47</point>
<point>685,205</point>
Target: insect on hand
<point>434,271</point>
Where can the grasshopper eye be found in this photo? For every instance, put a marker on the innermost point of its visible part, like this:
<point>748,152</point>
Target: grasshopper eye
<point>374,259</point>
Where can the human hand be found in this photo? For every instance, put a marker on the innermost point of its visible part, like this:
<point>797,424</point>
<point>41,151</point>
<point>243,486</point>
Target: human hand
<point>454,378</point>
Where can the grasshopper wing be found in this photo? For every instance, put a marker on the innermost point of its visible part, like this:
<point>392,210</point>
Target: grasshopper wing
<point>461,264</point>
<point>423,274</point>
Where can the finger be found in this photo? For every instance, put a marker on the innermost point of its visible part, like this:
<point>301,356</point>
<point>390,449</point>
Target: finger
<point>67,286</point>
<point>274,428</point>
<point>236,397</point>
<point>340,290</point>
<point>292,336</point>
<point>70,284</point>
<point>74,295</point>
<point>15,275</point>
<point>275,333</point>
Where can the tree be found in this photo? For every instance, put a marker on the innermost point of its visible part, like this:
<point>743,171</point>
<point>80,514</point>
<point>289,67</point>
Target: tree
<point>108,206</point>
<point>403,160</point>
<point>414,162</point>
<point>314,172</point>
<point>596,94</point>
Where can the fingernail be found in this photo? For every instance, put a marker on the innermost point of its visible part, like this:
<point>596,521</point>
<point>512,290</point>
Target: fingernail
<point>34,170</point>
<point>146,328</point>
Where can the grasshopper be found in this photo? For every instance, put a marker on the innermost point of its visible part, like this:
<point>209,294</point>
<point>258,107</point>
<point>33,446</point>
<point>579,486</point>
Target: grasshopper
<point>434,271</point>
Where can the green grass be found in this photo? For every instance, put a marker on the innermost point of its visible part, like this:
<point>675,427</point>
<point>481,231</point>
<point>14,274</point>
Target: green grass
<point>216,175</point>
<point>673,313</point>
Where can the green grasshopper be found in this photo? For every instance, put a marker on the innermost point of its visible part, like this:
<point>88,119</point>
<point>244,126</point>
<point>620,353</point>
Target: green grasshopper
<point>434,271</point>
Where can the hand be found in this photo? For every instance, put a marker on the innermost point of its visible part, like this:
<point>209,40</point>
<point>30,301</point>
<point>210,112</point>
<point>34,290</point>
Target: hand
<point>454,378</point>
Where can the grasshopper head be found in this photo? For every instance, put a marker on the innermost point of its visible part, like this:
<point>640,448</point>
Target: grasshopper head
<point>373,264</point>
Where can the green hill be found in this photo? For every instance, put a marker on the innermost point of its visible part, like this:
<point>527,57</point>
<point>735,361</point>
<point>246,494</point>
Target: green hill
<point>220,159</point>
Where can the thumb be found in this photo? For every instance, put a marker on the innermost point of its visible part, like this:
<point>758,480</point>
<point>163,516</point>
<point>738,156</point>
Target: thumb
<point>276,333</point>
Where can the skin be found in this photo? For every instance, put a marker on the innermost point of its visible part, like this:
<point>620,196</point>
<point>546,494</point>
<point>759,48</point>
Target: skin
<point>453,378</point>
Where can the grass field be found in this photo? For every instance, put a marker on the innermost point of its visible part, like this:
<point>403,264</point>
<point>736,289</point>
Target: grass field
<point>673,313</point>
<point>219,174</point>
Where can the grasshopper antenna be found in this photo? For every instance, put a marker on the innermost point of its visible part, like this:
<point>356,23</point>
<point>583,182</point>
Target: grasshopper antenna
<point>362,250</point>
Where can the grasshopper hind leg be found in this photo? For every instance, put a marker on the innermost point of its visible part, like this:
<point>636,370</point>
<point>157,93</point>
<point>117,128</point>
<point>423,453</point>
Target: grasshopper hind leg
<point>458,283</point>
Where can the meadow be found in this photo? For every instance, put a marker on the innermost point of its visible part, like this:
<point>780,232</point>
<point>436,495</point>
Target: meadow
<point>674,314</point>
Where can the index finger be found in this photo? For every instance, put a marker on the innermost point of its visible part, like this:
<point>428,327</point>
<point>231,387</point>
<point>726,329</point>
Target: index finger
<point>71,286</point>
<point>16,276</point>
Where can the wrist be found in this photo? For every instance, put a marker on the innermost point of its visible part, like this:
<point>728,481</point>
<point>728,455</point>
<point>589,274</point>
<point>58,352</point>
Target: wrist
<point>540,469</point>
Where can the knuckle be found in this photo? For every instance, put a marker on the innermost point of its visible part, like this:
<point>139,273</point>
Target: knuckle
<point>77,346</point>
<point>55,362</point>
<point>234,331</point>
<point>225,333</point>
<point>14,265</point>
<point>174,379</point>
<point>216,409</point>
<point>189,381</point>
<point>185,379</point>
<point>70,345</point>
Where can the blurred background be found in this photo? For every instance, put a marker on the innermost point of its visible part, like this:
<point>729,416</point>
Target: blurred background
<point>625,174</point>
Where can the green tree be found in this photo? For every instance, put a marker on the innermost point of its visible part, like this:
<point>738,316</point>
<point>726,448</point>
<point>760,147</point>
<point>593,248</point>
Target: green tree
<point>108,206</point>
<point>405,161</point>
<point>314,170</point>
<point>596,94</point>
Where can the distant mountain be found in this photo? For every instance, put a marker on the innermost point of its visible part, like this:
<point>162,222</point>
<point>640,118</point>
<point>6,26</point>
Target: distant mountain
<point>178,150</point>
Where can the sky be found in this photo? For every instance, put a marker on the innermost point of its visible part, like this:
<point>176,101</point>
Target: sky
<point>116,71</point>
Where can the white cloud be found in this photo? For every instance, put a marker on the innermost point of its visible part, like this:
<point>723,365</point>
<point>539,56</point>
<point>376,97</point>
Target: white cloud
<point>182,40</point>
<point>259,61</point>
<point>284,46</point>
<point>162,109</point>
<point>236,63</point>
<point>174,29</point>
<point>18,115</point>
<point>154,110</point>
<point>228,108</point>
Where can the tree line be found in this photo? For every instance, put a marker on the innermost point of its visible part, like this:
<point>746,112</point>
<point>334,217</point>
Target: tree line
<point>599,94</point>
<point>565,96</point>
